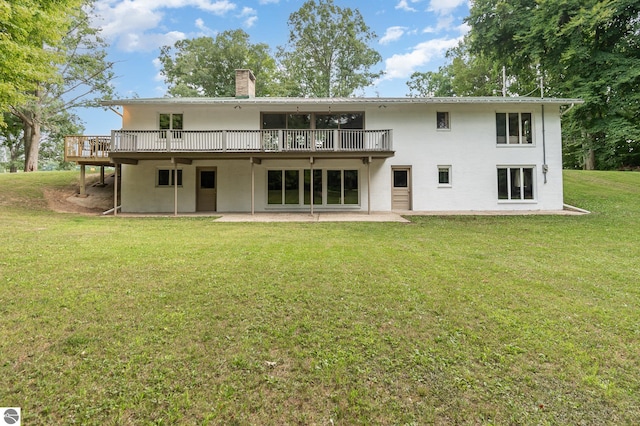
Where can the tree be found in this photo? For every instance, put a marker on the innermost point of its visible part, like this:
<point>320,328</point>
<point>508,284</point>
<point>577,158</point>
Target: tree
<point>328,51</point>
<point>29,32</point>
<point>587,49</point>
<point>206,67</point>
<point>427,84</point>
<point>11,140</point>
<point>83,78</point>
<point>465,75</point>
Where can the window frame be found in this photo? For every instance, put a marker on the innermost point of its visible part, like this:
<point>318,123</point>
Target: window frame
<point>312,119</point>
<point>170,177</point>
<point>175,133</point>
<point>449,183</point>
<point>508,129</point>
<point>446,125</point>
<point>304,188</point>
<point>525,196</point>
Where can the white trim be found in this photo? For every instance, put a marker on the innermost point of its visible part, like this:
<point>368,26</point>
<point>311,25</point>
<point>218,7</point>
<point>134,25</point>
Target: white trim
<point>343,101</point>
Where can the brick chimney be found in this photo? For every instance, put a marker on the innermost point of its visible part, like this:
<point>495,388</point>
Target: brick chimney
<point>245,84</point>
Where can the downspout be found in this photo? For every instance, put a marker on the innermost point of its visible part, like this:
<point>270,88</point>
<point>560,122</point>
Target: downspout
<point>545,166</point>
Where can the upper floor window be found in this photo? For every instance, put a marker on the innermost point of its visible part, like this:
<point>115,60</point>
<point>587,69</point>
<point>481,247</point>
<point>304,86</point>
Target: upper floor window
<point>299,121</point>
<point>442,120</point>
<point>514,128</point>
<point>171,122</point>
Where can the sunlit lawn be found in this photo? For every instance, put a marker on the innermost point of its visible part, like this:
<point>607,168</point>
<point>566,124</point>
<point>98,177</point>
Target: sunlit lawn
<point>471,320</point>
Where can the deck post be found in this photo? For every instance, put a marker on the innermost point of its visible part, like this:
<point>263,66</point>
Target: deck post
<point>83,183</point>
<point>369,185</point>
<point>253,187</point>
<point>311,185</point>
<point>115,190</point>
<point>175,187</point>
<point>101,175</point>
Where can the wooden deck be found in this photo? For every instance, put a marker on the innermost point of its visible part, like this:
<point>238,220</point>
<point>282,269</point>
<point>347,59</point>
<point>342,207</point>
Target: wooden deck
<point>89,150</point>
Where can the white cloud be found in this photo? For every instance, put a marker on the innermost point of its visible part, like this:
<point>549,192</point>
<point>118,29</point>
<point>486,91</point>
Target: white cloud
<point>404,5</point>
<point>392,34</point>
<point>205,31</point>
<point>129,24</point>
<point>251,16</point>
<point>403,65</point>
<point>137,42</point>
<point>158,66</point>
<point>247,11</point>
<point>250,22</point>
<point>445,6</point>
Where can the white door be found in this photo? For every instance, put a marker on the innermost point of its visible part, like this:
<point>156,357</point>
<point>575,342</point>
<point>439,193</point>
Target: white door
<point>401,188</point>
<point>206,195</point>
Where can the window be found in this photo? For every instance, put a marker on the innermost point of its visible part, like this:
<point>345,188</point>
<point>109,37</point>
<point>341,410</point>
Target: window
<point>514,128</point>
<point>343,120</point>
<point>515,183</point>
<point>166,177</point>
<point>442,120</point>
<point>171,123</point>
<point>330,187</point>
<point>444,175</point>
<point>401,178</point>
<point>284,187</point>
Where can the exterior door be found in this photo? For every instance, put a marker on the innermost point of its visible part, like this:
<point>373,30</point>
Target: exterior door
<point>401,188</point>
<point>206,193</point>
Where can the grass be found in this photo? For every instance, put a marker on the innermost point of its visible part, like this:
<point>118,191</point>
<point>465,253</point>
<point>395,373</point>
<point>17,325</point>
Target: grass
<point>447,320</point>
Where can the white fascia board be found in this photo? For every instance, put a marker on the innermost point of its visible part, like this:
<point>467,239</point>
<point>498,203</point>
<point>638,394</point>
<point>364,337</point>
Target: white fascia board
<point>341,101</point>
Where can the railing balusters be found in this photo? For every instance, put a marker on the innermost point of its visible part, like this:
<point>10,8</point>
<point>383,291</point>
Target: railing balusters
<point>227,140</point>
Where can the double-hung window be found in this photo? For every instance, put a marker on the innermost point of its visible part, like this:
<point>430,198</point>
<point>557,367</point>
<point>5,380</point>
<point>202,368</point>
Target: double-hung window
<point>515,183</point>
<point>514,128</point>
<point>171,125</point>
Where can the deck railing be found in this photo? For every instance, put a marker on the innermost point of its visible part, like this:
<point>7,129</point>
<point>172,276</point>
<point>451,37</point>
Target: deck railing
<point>87,148</point>
<point>250,140</point>
<point>97,148</point>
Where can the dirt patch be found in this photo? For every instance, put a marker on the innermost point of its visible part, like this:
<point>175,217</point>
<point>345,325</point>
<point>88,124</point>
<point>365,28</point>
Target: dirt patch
<point>65,200</point>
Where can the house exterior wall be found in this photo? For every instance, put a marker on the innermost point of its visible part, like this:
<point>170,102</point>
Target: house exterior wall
<point>469,148</point>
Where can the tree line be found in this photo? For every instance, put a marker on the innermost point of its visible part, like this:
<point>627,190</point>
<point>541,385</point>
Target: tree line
<point>54,61</point>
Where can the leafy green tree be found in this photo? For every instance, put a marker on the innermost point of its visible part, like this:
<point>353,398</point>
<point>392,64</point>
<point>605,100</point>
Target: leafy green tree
<point>11,141</point>
<point>83,79</point>
<point>583,48</point>
<point>328,53</point>
<point>430,83</point>
<point>465,75</point>
<point>30,31</point>
<point>206,67</point>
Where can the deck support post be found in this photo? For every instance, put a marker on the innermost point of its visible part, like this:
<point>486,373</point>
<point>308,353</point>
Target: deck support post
<point>83,182</point>
<point>115,190</point>
<point>175,187</point>
<point>311,185</point>
<point>253,188</point>
<point>101,175</point>
<point>369,185</point>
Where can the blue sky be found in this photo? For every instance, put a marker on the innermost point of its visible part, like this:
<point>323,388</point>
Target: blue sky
<point>413,35</point>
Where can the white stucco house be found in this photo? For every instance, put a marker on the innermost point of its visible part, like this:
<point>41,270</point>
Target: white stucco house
<point>251,154</point>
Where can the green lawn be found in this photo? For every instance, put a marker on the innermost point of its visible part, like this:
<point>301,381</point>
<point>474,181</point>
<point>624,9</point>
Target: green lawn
<point>446,320</point>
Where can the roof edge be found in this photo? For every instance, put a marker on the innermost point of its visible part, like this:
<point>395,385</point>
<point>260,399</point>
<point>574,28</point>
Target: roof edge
<point>345,101</point>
